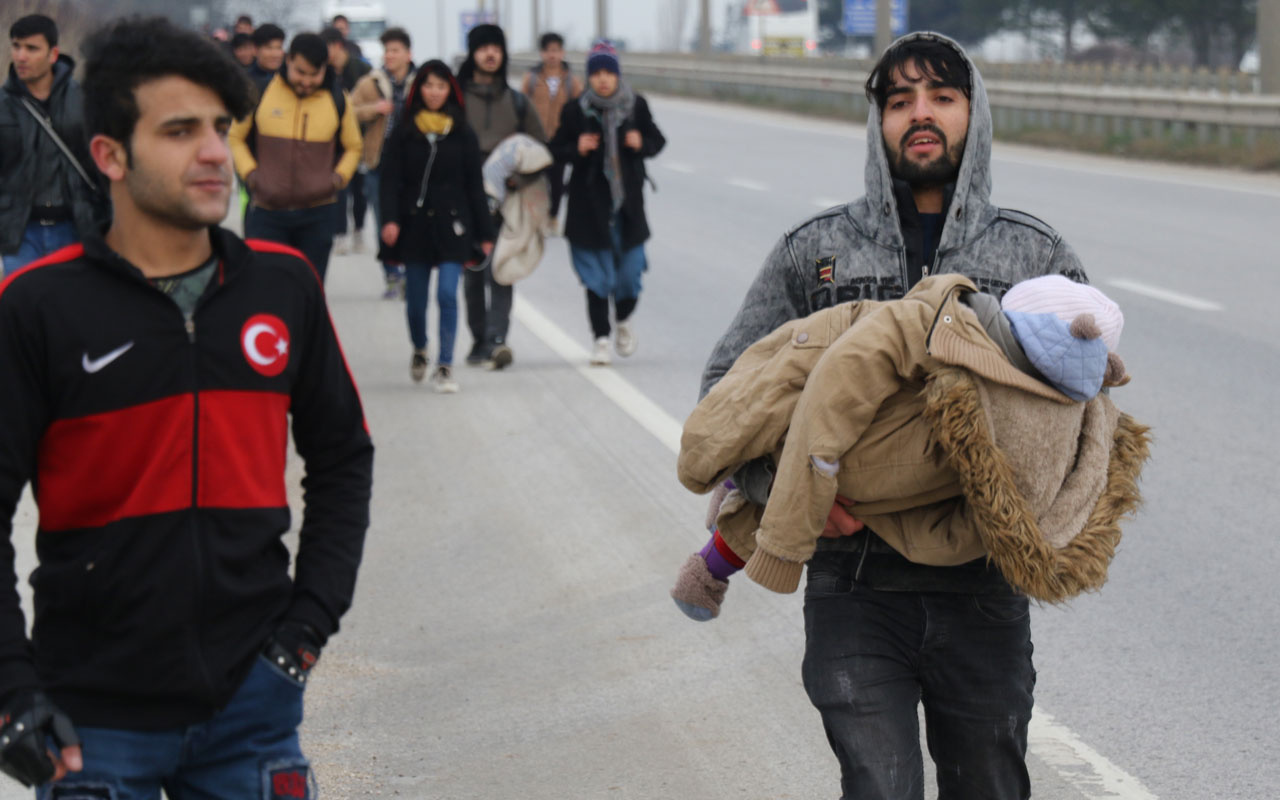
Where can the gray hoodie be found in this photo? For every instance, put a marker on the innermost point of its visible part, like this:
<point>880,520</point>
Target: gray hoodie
<point>857,252</point>
<point>994,247</point>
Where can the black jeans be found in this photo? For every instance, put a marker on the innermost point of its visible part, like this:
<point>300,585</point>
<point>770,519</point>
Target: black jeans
<point>488,317</point>
<point>354,196</point>
<point>871,656</point>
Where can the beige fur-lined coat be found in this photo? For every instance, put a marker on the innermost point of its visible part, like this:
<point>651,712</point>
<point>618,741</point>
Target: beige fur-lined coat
<point>948,451</point>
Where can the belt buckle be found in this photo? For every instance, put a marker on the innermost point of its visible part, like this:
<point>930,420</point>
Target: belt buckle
<point>47,223</point>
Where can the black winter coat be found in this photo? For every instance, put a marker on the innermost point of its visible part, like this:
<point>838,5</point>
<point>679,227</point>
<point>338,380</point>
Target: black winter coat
<point>454,214</point>
<point>590,204</point>
<point>19,132</point>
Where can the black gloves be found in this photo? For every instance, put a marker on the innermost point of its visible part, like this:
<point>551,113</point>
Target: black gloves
<point>294,649</point>
<point>26,723</point>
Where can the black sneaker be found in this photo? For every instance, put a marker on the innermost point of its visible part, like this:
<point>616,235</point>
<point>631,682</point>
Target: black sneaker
<point>418,366</point>
<point>478,355</point>
<point>500,357</point>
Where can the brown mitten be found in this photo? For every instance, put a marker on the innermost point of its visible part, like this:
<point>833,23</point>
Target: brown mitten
<point>697,592</point>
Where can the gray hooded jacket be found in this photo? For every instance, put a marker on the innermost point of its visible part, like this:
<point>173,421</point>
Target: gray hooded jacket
<point>994,247</point>
<point>857,252</point>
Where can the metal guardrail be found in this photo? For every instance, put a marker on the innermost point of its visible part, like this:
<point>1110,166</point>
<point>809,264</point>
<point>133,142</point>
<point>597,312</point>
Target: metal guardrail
<point>829,86</point>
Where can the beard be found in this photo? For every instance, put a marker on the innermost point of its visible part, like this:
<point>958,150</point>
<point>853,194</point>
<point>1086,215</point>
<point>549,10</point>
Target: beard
<point>175,208</point>
<point>938,172</point>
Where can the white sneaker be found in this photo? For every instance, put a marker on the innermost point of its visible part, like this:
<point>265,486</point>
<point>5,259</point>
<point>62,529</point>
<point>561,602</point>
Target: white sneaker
<point>624,339</point>
<point>340,245</point>
<point>357,241</point>
<point>442,380</point>
<point>600,353</point>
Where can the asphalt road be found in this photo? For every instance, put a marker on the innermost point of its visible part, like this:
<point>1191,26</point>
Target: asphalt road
<point>512,635</point>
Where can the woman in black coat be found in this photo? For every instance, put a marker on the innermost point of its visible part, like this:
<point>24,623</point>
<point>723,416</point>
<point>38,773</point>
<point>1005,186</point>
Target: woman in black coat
<point>434,207</point>
<point>606,135</point>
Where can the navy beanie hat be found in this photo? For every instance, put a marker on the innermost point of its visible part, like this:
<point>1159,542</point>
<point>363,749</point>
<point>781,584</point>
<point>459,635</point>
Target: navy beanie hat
<point>603,55</point>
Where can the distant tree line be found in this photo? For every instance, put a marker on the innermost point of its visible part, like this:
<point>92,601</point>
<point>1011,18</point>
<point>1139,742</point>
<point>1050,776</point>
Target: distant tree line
<point>1207,33</point>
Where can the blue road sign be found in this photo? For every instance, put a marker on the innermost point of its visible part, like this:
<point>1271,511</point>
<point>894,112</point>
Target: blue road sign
<point>860,17</point>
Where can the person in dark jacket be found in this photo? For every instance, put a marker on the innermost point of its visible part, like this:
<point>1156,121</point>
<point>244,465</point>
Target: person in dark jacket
<point>495,111</point>
<point>434,208</point>
<point>606,135</point>
<point>268,43</point>
<point>47,198</point>
<point>150,379</point>
<point>348,71</point>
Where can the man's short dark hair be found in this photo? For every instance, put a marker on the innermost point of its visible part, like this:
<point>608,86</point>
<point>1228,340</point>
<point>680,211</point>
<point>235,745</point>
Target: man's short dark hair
<point>267,32</point>
<point>130,52</point>
<point>245,18</point>
<point>311,47</point>
<point>548,39</point>
<point>342,17</point>
<point>35,25</point>
<point>939,63</point>
<point>240,40</point>
<point>332,36</point>
<point>395,35</point>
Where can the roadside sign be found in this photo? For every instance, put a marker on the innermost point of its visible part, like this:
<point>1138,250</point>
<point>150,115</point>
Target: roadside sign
<point>860,17</point>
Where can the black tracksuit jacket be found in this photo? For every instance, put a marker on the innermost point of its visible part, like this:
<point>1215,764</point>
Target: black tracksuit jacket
<point>156,452</point>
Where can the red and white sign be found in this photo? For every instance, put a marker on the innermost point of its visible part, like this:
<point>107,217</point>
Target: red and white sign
<point>265,342</point>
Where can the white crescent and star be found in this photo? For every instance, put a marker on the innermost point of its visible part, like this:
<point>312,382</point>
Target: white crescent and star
<point>251,335</point>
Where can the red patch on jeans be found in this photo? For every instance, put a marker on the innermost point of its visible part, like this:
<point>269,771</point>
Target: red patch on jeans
<point>289,783</point>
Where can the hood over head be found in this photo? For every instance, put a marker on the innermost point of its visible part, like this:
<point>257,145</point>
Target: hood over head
<point>478,37</point>
<point>971,198</point>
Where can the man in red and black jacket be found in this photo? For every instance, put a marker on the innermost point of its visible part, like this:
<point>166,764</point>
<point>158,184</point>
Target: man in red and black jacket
<point>149,378</point>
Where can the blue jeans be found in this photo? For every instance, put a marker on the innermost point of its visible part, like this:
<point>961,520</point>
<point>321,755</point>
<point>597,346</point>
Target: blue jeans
<point>39,241</point>
<point>248,750</point>
<point>307,229</point>
<point>872,656</point>
<point>417,286</point>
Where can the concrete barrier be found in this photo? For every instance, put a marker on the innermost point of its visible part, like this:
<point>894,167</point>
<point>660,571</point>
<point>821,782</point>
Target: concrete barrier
<point>1236,123</point>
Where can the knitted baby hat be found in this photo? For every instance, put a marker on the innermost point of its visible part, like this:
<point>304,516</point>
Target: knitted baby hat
<point>1055,294</point>
<point>603,55</point>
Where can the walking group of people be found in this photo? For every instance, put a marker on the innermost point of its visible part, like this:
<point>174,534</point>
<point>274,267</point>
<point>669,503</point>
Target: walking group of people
<point>413,140</point>
<point>912,399</point>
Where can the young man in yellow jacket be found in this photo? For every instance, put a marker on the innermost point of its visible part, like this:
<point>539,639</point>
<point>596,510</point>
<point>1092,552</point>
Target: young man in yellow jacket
<point>296,151</point>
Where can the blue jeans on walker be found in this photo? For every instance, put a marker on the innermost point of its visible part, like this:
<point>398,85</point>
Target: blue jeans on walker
<point>417,288</point>
<point>39,241</point>
<point>248,751</point>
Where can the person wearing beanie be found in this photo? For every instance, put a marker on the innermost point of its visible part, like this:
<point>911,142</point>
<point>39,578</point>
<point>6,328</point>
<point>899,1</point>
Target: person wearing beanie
<point>926,210</point>
<point>434,209</point>
<point>846,412</point>
<point>606,136</point>
<point>494,111</point>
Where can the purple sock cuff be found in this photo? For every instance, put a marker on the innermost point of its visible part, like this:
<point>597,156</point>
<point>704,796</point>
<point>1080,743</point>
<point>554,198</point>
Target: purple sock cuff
<point>719,568</point>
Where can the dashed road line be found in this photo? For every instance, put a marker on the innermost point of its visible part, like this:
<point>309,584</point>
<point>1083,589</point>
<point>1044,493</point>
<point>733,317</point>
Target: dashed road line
<point>1159,293</point>
<point>744,183</point>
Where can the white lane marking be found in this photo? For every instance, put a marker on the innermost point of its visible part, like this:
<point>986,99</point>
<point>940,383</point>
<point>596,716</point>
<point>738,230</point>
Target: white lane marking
<point>676,166</point>
<point>1077,763</point>
<point>630,399</point>
<point>1086,769</point>
<point>1178,299</point>
<point>743,183</point>
<point>827,202</point>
